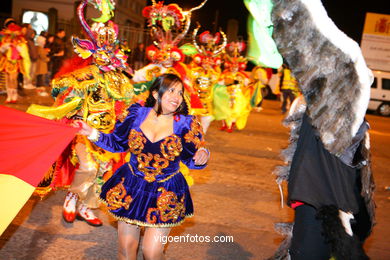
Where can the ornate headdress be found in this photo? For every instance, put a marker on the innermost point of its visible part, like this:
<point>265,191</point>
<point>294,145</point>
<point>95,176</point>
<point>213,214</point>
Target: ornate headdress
<point>11,29</point>
<point>235,62</point>
<point>163,19</point>
<point>209,51</point>
<point>103,45</point>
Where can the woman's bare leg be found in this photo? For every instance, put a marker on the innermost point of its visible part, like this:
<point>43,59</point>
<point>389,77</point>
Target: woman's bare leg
<point>128,239</point>
<point>153,243</point>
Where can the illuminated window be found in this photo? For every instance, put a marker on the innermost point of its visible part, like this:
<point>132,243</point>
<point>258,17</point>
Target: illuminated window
<point>39,21</point>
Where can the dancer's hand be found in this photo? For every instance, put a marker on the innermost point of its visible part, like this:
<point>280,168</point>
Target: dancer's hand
<point>201,157</point>
<point>85,129</point>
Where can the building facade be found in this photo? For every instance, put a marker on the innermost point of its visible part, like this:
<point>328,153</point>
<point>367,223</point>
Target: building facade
<point>50,15</point>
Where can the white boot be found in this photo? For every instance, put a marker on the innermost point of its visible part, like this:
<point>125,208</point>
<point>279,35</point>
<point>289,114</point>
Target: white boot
<point>9,96</point>
<point>86,214</point>
<point>69,209</point>
<point>14,95</point>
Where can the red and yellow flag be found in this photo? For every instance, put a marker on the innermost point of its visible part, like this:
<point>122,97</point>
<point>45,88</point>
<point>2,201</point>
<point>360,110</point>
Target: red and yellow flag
<point>29,145</point>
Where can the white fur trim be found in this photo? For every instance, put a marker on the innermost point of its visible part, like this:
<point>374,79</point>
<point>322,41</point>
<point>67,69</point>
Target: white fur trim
<point>94,136</point>
<point>326,26</point>
<point>346,221</point>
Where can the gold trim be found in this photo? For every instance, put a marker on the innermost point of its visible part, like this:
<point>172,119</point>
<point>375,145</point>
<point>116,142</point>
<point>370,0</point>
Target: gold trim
<point>144,224</point>
<point>170,176</point>
<point>160,181</point>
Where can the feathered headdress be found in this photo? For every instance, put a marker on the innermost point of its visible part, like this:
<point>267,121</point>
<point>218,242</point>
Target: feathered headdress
<point>163,19</point>
<point>209,50</point>
<point>103,45</point>
<point>233,59</point>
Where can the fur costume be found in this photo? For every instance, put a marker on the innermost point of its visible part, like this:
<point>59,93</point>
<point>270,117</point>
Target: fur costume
<point>335,83</point>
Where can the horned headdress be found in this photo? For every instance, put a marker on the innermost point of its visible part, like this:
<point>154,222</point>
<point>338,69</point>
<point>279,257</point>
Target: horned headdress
<point>163,20</point>
<point>234,60</point>
<point>103,45</point>
<point>209,49</point>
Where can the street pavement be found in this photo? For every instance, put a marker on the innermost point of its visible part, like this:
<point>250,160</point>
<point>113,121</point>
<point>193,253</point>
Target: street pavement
<point>235,197</point>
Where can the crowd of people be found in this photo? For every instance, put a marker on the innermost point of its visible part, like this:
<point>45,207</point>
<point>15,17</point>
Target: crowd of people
<point>29,61</point>
<point>158,115</point>
<point>47,53</point>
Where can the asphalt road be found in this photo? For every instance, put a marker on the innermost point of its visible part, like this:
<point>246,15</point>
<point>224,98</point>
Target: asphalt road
<point>235,197</point>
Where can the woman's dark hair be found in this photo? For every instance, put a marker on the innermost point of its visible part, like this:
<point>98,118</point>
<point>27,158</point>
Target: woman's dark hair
<point>160,85</point>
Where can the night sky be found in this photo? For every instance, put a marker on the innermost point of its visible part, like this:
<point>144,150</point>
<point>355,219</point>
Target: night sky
<point>348,15</point>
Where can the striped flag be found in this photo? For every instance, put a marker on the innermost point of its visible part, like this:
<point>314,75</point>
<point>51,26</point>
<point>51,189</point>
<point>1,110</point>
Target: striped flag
<point>29,145</point>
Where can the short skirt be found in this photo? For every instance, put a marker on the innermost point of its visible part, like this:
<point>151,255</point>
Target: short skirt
<point>132,199</point>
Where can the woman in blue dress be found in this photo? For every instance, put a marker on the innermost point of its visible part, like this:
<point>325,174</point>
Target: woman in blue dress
<point>150,190</point>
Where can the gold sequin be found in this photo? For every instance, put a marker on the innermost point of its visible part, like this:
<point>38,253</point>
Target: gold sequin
<point>150,164</point>
<point>169,208</point>
<point>116,197</point>
<point>171,147</point>
<point>151,170</point>
<point>195,134</point>
<point>136,141</point>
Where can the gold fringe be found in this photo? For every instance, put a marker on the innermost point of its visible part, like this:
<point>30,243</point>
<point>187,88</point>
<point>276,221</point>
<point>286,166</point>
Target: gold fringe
<point>144,224</point>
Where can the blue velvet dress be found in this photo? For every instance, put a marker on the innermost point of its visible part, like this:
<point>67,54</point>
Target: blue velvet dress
<point>150,190</point>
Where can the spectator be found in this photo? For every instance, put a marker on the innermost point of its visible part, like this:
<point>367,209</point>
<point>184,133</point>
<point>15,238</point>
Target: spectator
<point>49,46</point>
<point>124,46</point>
<point>57,52</point>
<point>289,87</point>
<point>41,67</point>
<point>28,82</point>
<point>139,56</point>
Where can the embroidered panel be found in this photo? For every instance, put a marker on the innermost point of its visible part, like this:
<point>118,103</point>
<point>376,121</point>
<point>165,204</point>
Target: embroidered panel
<point>195,134</point>
<point>171,147</point>
<point>136,141</point>
<point>169,208</point>
<point>151,165</point>
<point>117,197</point>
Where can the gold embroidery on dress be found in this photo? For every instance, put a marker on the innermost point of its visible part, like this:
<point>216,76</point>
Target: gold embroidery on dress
<point>150,164</point>
<point>171,147</point>
<point>136,141</point>
<point>151,171</point>
<point>195,133</point>
<point>169,208</point>
<point>116,197</point>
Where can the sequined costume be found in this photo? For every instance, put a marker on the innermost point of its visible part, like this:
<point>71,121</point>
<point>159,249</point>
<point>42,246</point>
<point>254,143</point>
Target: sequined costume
<point>231,94</point>
<point>13,47</point>
<point>150,190</point>
<point>260,82</point>
<point>165,56</point>
<point>205,71</point>
<point>97,91</point>
<point>14,57</point>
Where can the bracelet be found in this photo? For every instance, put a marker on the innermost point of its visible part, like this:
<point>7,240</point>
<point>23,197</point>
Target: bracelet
<point>94,136</point>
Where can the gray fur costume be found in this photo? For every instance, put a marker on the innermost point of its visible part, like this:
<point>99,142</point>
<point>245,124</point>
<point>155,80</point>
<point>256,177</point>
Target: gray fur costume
<point>335,83</point>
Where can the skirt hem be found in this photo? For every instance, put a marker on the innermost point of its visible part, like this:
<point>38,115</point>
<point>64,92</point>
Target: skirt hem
<point>142,223</point>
